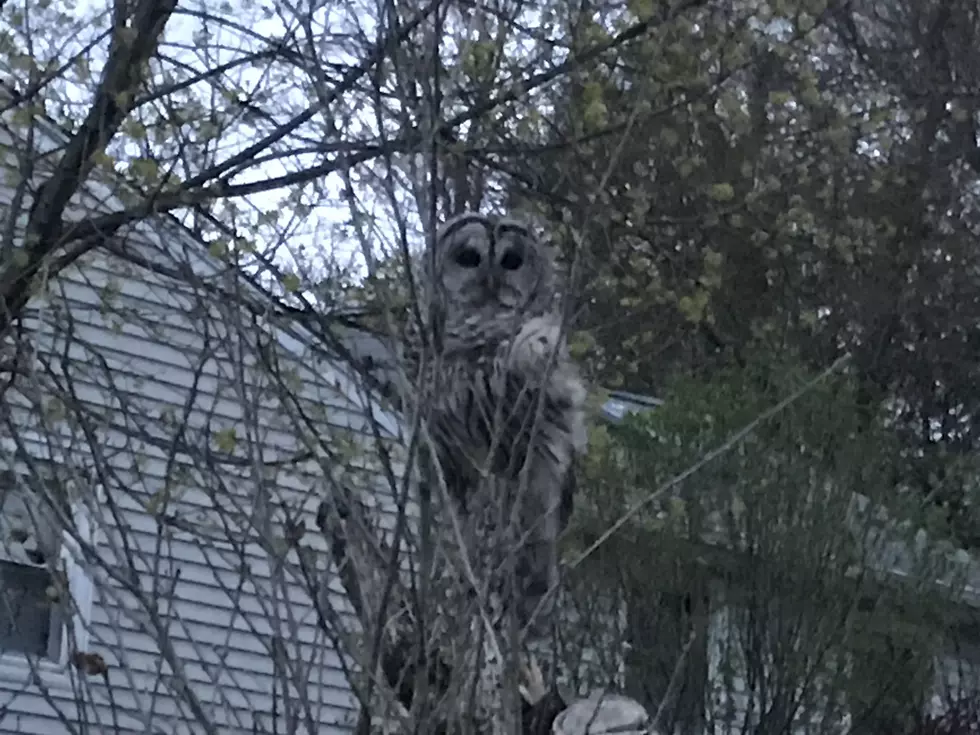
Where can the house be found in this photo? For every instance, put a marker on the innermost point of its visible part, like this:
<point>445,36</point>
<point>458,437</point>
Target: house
<point>897,567</point>
<point>182,436</point>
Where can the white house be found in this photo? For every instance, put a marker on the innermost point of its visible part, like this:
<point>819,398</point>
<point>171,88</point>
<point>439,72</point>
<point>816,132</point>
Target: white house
<point>896,555</point>
<point>184,433</point>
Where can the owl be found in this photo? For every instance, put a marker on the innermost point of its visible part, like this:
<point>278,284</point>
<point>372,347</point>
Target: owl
<point>507,405</point>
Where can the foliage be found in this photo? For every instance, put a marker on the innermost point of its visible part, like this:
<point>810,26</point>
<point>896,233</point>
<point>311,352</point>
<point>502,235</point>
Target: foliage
<point>823,431</point>
<point>773,518</point>
<point>740,192</point>
<point>773,177</point>
<point>962,718</point>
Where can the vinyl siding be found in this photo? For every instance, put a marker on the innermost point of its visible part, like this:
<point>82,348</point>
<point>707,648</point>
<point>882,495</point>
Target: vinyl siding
<point>128,345</point>
<point>815,707</point>
<point>733,706</point>
<point>957,671</point>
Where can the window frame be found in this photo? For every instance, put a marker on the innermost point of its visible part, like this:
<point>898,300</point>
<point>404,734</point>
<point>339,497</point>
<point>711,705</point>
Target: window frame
<point>956,666</point>
<point>70,619</point>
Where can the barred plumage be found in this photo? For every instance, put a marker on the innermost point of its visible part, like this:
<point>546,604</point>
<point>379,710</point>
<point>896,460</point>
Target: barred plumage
<point>507,401</point>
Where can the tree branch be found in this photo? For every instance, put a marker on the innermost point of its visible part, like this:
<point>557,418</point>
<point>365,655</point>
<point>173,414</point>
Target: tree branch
<point>130,50</point>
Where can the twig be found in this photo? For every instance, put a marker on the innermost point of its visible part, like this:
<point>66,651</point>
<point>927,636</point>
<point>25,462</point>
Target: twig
<point>714,454</point>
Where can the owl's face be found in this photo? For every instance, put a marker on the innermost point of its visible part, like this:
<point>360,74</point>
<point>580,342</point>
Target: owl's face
<point>487,264</point>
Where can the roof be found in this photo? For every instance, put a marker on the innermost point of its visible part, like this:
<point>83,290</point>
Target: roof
<point>621,404</point>
<point>889,552</point>
<point>187,247</point>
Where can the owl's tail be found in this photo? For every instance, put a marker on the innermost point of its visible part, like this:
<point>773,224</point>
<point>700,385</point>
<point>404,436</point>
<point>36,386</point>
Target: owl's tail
<point>536,570</point>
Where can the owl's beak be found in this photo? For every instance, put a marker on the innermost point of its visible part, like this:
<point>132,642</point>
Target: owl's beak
<point>492,284</point>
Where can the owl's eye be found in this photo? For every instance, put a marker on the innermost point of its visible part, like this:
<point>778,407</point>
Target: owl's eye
<point>512,260</point>
<point>468,258</point>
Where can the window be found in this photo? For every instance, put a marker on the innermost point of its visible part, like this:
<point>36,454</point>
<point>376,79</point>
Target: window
<point>957,683</point>
<point>42,586</point>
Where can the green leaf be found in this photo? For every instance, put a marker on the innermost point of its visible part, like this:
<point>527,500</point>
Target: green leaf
<point>82,67</point>
<point>158,501</point>
<point>581,343</point>
<point>269,217</point>
<point>226,440</point>
<point>477,59</point>
<point>145,168</point>
<point>134,129</point>
<point>693,307</point>
<point>779,97</point>
<point>124,100</point>
<point>20,61</point>
<point>595,113</point>
<point>103,160</point>
<point>677,511</point>
<point>810,95</point>
<point>712,258</point>
<point>218,248</point>
<point>723,192</point>
<point>642,9</point>
<point>54,409</point>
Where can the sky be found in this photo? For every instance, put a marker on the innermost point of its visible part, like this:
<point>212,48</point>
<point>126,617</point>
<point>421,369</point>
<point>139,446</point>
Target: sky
<point>320,231</point>
<point>322,234</point>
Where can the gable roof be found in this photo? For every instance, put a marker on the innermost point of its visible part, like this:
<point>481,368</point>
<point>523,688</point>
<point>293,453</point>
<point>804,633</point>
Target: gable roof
<point>165,238</point>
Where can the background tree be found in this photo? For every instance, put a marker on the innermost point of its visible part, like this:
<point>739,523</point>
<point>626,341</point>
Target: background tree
<point>786,184</point>
<point>740,194</point>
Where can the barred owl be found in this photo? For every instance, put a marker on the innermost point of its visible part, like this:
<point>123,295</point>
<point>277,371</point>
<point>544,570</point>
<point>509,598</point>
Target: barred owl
<point>508,401</point>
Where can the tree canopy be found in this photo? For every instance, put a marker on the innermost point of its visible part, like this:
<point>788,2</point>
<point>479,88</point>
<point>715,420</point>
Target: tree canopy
<point>765,212</point>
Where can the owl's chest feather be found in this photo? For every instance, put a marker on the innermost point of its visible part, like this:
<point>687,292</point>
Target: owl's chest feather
<point>495,417</point>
